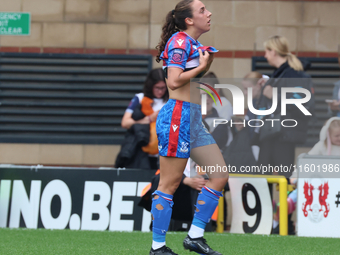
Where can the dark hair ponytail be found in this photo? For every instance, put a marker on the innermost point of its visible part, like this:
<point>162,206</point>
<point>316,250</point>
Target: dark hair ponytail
<point>174,22</point>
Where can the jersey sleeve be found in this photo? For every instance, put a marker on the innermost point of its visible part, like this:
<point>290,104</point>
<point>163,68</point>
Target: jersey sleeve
<point>178,50</point>
<point>132,105</point>
<point>177,58</point>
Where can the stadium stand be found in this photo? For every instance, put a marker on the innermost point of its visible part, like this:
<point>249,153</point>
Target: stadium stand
<point>324,72</point>
<point>80,98</point>
<point>67,98</point>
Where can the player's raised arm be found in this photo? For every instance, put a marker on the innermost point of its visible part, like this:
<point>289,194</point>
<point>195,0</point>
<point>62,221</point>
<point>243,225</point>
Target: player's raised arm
<point>178,78</point>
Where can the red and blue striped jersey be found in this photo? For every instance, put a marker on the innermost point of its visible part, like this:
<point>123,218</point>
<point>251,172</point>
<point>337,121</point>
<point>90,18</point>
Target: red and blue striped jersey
<point>181,51</point>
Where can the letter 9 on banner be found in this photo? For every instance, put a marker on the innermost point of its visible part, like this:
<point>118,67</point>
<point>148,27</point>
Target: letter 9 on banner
<point>251,206</point>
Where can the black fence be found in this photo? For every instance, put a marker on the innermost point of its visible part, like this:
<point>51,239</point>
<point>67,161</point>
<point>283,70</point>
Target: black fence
<point>67,98</point>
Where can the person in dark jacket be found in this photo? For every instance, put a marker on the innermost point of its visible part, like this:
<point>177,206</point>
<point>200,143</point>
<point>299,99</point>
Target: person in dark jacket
<point>334,106</point>
<point>279,150</point>
<point>241,151</point>
<point>252,80</point>
<point>139,149</point>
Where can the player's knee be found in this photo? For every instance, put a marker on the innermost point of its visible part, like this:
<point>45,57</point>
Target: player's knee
<point>219,183</point>
<point>169,187</point>
<point>173,187</point>
<point>225,177</point>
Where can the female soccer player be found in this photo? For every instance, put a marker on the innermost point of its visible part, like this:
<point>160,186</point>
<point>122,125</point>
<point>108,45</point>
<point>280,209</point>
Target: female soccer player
<point>180,130</point>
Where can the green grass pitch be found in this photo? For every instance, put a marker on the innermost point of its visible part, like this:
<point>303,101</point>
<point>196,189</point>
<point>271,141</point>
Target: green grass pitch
<point>41,241</point>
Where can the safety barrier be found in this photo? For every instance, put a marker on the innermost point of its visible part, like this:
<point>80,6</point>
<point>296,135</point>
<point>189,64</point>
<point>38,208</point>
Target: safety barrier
<point>282,181</point>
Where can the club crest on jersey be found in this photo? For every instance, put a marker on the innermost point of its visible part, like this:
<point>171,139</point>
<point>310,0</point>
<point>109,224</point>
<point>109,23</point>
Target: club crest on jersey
<point>177,55</point>
<point>184,147</point>
<point>180,41</point>
<point>195,47</point>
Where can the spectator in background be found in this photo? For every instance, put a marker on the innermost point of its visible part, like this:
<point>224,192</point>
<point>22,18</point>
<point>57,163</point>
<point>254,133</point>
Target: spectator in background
<point>221,133</point>
<point>241,151</point>
<point>224,111</point>
<point>334,107</point>
<point>329,143</point>
<point>154,90</point>
<point>291,201</point>
<point>279,148</point>
<point>143,109</point>
<point>252,80</point>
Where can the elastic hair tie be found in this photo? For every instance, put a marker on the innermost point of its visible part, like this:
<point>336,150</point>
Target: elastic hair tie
<point>173,12</point>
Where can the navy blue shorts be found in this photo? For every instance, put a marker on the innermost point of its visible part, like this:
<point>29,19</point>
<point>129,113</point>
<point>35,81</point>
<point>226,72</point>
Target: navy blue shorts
<point>180,128</point>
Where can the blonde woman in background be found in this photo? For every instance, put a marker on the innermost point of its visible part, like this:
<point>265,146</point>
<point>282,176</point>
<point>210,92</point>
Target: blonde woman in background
<point>280,149</point>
